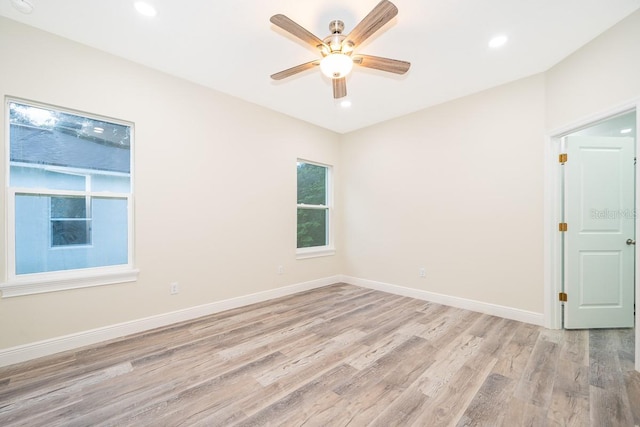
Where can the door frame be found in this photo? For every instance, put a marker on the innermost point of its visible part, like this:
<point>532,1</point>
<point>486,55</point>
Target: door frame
<point>553,206</point>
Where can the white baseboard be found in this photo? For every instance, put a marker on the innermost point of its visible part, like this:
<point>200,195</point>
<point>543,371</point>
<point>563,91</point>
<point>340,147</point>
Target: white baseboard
<point>467,304</point>
<point>48,347</point>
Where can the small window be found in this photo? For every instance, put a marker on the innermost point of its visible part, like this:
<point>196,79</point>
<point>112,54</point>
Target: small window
<point>70,221</point>
<point>314,208</point>
<point>70,195</point>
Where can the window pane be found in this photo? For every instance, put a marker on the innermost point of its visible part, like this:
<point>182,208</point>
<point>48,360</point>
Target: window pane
<point>42,137</point>
<point>37,177</point>
<point>312,184</point>
<point>70,232</point>
<point>69,207</point>
<point>37,250</point>
<point>312,227</point>
<point>113,183</point>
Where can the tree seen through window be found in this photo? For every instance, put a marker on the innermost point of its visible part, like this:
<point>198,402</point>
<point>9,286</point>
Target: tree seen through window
<point>313,210</point>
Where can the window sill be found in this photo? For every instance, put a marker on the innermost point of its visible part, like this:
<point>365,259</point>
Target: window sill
<point>62,281</point>
<point>321,251</point>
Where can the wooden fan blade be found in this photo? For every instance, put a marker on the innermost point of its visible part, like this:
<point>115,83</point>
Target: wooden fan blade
<point>383,64</point>
<point>339,87</point>
<point>384,12</point>
<point>291,27</point>
<point>294,70</point>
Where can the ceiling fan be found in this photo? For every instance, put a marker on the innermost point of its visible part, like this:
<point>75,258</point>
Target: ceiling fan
<point>337,50</point>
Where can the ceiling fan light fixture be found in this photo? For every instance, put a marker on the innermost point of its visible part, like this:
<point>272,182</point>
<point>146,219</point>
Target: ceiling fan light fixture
<point>347,47</point>
<point>336,65</point>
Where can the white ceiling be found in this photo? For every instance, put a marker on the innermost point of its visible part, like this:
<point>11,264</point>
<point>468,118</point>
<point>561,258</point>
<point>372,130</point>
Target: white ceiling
<point>230,46</point>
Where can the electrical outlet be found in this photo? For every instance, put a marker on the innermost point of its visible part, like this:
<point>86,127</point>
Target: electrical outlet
<point>280,269</point>
<point>422,272</point>
<point>174,288</point>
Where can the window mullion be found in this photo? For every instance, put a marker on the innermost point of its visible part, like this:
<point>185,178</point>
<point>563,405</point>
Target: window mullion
<point>47,192</point>
<point>318,207</point>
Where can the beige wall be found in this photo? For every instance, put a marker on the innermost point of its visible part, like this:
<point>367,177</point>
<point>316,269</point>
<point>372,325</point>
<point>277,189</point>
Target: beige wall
<point>456,189</point>
<point>214,179</point>
<point>602,75</point>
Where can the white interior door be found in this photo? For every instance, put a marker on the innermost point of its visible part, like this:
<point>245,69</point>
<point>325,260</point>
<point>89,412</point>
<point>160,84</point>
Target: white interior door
<point>600,217</point>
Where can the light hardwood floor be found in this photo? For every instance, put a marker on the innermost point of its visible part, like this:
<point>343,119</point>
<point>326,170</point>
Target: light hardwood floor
<point>335,356</point>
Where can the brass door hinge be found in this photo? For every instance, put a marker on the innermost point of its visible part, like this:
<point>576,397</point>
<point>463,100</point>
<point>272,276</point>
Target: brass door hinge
<point>562,296</point>
<point>563,158</point>
<point>562,226</point>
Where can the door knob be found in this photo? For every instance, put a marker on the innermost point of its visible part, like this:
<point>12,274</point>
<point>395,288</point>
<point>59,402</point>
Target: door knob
<point>631,242</point>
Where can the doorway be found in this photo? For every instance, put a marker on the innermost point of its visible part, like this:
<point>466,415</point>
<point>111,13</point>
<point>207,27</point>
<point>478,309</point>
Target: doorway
<point>598,224</point>
<point>554,211</point>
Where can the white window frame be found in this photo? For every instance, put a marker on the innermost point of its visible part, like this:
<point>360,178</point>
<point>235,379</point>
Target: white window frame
<point>36,283</point>
<point>329,248</point>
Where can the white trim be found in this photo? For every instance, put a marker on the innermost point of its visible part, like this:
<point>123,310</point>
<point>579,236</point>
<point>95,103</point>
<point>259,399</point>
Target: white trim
<point>314,252</point>
<point>48,347</point>
<point>584,122</point>
<point>464,303</point>
<point>39,283</point>
<point>46,192</point>
<point>552,241</point>
<point>637,272</point>
<point>313,207</point>
<point>552,238</point>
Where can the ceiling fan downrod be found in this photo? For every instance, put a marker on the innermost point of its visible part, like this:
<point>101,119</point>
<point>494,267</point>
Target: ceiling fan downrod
<point>336,39</point>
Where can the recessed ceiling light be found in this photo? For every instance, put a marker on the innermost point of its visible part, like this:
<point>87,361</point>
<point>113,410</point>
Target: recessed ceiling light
<point>628,130</point>
<point>23,6</point>
<point>145,9</point>
<point>498,41</point>
<point>345,103</point>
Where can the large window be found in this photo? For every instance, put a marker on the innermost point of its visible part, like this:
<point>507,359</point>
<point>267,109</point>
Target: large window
<point>314,209</point>
<point>69,198</point>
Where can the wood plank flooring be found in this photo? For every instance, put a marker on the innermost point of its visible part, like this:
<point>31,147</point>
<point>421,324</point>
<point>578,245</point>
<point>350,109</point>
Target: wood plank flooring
<point>335,356</point>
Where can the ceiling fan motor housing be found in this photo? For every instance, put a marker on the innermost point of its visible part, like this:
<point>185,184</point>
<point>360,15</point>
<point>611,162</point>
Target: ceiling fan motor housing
<point>334,41</point>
